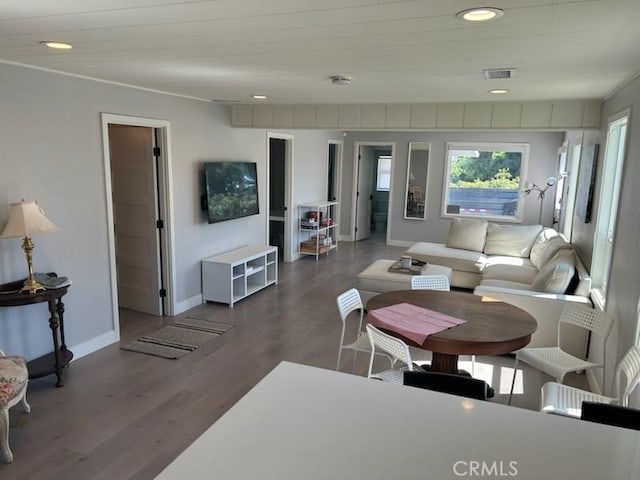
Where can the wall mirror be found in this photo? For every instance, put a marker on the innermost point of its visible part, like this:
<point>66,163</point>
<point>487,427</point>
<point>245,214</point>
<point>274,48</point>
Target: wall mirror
<point>417,168</point>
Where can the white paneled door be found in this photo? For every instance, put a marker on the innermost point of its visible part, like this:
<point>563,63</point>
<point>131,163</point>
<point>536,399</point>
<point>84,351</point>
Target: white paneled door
<point>135,216</point>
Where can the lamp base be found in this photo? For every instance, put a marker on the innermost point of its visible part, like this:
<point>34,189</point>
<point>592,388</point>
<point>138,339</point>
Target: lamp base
<point>31,287</point>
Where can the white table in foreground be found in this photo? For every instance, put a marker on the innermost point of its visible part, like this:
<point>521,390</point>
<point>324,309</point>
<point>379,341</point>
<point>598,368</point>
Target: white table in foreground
<point>305,423</point>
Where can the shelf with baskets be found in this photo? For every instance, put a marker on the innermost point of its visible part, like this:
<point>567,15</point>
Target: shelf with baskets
<point>318,232</point>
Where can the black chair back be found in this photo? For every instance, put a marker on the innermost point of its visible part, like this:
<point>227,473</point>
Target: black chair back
<point>611,415</point>
<point>449,383</point>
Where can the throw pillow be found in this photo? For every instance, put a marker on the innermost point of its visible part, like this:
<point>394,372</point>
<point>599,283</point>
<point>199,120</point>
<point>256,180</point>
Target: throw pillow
<point>467,234</point>
<point>556,275</point>
<point>548,251</point>
<point>510,240</point>
<point>541,241</point>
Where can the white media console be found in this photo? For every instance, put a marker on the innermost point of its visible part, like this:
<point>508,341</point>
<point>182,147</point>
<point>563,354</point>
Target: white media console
<point>236,274</point>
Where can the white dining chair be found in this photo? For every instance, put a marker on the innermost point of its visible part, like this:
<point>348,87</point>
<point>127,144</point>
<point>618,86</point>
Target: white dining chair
<point>556,362</point>
<point>392,346</point>
<point>565,400</point>
<point>350,306</point>
<point>430,282</point>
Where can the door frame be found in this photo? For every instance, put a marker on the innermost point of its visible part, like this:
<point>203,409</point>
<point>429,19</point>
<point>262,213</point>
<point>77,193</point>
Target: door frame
<point>165,184</point>
<point>354,188</point>
<point>288,191</point>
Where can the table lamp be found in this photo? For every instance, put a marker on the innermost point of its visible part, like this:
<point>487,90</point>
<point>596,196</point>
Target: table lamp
<point>26,219</point>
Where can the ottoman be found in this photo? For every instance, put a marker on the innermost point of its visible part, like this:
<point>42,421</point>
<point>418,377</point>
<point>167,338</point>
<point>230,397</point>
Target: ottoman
<point>376,278</point>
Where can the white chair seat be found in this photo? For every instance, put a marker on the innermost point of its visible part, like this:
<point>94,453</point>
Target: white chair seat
<point>565,400</point>
<point>395,375</point>
<point>360,345</point>
<point>554,361</point>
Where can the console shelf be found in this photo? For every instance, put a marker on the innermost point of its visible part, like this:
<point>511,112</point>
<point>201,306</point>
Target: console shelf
<point>317,228</point>
<point>234,275</point>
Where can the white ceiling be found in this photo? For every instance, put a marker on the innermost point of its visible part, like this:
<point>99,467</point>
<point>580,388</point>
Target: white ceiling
<point>396,51</point>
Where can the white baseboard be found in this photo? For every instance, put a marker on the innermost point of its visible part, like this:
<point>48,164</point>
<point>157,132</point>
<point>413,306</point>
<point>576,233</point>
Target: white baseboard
<point>400,243</point>
<point>188,304</point>
<point>93,345</point>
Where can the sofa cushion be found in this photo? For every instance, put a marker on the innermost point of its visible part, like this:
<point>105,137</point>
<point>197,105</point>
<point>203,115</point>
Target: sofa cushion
<point>546,250</point>
<point>510,240</point>
<point>514,269</point>
<point>467,234</point>
<point>555,276</point>
<point>540,242</point>
<point>454,258</point>
<point>494,282</point>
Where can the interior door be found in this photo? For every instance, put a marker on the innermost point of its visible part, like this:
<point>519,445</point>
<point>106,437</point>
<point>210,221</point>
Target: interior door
<point>363,203</point>
<point>280,181</point>
<point>135,214</point>
<point>277,177</point>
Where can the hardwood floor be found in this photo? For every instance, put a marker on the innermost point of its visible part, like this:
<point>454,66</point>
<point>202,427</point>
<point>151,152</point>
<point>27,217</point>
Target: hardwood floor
<point>125,415</point>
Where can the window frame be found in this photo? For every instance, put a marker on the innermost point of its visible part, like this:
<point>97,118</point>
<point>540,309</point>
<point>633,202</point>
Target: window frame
<point>608,203</point>
<point>523,148</point>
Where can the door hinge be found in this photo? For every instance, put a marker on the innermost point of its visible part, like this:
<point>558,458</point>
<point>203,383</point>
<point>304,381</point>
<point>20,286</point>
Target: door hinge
<point>356,229</point>
<point>159,224</point>
<point>156,151</point>
<point>162,292</point>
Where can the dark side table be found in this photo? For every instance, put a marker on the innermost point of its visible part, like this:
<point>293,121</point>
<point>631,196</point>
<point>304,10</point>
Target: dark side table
<point>54,362</point>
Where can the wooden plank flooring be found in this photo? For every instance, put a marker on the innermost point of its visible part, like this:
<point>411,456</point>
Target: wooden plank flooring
<point>125,415</point>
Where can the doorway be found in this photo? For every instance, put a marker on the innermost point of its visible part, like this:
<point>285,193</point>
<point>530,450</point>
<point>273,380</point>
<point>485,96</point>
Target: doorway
<point>372,190</point>
<point>334,170</point>
<point>279,172</point>
<point>138,214</point>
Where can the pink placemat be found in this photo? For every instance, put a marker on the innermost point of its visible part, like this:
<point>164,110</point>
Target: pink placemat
<point>411,321</point>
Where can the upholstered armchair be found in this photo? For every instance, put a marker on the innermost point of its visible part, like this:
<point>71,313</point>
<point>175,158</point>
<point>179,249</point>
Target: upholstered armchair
<point>13,390</point>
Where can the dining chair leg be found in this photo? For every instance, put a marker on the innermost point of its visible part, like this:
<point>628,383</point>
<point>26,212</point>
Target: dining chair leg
<point>355,358</point>
<point>513,379</point>
<point>339,358</point>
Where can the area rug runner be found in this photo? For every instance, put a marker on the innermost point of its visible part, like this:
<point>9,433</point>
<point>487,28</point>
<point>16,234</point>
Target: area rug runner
<point>178,338</point>
<point>202,324</point>
<point>156,350</point>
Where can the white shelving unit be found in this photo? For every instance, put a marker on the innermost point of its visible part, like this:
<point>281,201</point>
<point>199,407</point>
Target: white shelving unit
<point>318,232</point>
<point>234,275</point>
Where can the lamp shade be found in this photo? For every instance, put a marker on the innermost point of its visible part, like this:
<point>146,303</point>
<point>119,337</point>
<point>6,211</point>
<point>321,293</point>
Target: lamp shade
<point>26,219</point>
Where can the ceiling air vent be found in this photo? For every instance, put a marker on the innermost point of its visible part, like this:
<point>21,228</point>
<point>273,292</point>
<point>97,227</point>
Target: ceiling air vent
<point>499,73</point>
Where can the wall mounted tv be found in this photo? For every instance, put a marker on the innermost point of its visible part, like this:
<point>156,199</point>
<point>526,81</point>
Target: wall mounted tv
<point>231,190</point>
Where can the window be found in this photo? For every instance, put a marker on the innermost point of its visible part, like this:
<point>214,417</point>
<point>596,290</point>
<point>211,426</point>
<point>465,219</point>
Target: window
<point>383,179</point>
<point>483,180</point>
<point>608,205</point>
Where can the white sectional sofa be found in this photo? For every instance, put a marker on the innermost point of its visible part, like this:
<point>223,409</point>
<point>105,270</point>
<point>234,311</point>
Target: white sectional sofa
<point>529,266</point>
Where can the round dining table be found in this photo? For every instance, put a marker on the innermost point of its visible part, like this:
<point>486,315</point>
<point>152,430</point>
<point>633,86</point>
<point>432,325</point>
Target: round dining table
<point>490,328</point>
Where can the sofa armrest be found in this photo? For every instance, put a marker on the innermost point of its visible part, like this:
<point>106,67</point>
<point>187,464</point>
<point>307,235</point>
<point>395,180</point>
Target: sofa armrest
<point>546,308</point>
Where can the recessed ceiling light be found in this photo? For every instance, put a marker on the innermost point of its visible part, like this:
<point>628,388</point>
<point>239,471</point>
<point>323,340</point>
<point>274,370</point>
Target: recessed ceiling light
<point>498,91</point>
<point>259,97</point>
<point>58,45</point>
<point>480,14</point>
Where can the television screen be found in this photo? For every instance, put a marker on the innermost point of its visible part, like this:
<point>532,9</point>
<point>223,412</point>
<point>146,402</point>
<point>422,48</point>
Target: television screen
<point>231,190</point>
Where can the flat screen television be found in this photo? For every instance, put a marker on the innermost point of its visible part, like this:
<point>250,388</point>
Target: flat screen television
<point>231,190</point>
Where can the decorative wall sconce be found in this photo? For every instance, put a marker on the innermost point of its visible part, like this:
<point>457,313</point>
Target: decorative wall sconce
<point>26,219</point>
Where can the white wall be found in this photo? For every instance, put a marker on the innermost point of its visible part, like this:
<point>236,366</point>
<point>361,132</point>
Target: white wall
<point>50,133</point>
<point>543,163</point>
